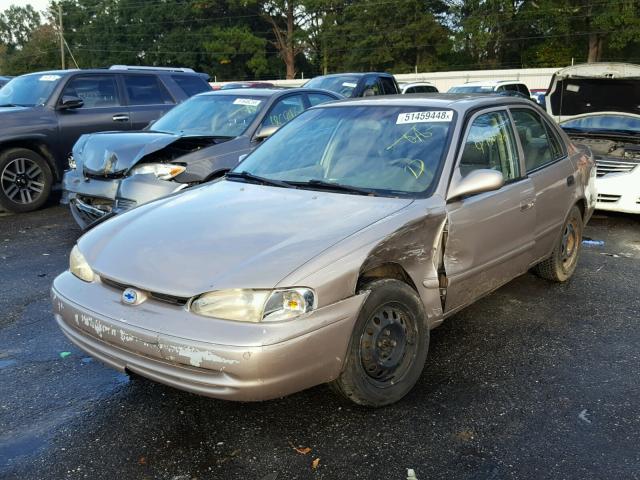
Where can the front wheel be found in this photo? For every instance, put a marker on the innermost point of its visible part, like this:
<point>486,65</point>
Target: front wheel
<point>388,346</point>
<point>25,180</point>
<point>559,267</point>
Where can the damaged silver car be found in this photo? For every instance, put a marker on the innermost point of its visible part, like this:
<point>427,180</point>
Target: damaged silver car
<point>330,252</point>
<point>598,105</point>
<point>195,142</point>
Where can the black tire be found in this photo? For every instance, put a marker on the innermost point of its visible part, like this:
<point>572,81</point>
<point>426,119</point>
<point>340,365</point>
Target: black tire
<point>25,180</point>
<point>387,356</point>
<point>559,267</point>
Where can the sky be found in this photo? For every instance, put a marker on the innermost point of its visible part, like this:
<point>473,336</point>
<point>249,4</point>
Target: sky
<point>37,4</point>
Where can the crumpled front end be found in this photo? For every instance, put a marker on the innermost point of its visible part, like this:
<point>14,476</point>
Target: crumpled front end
<point>89,199</point>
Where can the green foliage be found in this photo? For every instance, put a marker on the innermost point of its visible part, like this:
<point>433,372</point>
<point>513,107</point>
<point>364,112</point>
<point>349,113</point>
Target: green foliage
<point>246,39</point>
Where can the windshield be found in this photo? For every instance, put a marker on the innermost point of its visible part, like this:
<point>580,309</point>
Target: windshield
<point>471,89</point>
<point>211,116</point>
<point>384,150</point>
<point>604,122</point>
<point>29,90</point>
<point>343,84</point>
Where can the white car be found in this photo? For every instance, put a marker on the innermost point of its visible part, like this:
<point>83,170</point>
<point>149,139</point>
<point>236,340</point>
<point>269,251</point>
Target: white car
<point>493,86</point>
<point>418,87</point>
<point>598,105</point>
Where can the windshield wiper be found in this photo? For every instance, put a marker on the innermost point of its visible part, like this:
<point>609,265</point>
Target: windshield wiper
<point>257,179</point>
<point>322,185</point>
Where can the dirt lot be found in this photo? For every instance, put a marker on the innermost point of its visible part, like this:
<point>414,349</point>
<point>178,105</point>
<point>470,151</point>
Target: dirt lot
<point>536,381</point>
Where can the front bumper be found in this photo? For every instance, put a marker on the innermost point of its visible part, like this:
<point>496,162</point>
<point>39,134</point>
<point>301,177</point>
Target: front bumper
<point>89,199</point>
<point>619,192</point>
<point>216,358</point>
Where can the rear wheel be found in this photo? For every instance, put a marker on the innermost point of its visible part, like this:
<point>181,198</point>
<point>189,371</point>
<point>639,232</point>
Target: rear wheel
<point>388,346</point>
<point>559,267</point>
<point>25,180</point>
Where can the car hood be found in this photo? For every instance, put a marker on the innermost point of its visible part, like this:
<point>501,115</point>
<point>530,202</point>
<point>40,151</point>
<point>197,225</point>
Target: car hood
<point>226,235</point>
<point>114,153</point>
<point>596,87</point>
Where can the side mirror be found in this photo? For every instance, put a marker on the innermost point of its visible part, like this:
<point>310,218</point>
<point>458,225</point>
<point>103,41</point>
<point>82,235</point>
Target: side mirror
<point>69,102</point>
<point>477,181</point>
<point>265,132</point>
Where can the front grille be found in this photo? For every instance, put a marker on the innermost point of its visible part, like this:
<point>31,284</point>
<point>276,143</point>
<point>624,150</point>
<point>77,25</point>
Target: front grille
<point>162,297</point>
<point>605,166</point>
<point>604,198</point>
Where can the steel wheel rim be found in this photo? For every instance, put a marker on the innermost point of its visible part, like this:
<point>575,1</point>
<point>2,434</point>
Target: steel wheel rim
<point>388,345</point>
<point>569,244</point>
<point>22,181</point>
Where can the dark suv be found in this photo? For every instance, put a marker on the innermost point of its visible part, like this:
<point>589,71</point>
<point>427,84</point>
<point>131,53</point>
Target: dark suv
<point>43,114</point>
<point>356,84</point>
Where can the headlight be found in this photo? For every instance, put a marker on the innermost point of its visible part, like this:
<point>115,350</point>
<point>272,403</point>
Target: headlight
<point>79,266</point>
<point>255,305</point>
<point>72,162</point>
<point>163,171</point>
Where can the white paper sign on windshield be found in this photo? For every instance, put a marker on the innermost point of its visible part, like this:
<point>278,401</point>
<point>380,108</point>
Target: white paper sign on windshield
<point>252,102</point>
<point>425,116</point>
<point>349,84</point>
<point>49,78</point>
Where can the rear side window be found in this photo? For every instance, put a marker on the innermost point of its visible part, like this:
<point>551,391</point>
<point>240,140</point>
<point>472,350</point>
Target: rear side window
<point>94,90</point>
<point>190,84</point>
<point>318,98</point>
<point>534,137</point>
<point>146,90</point>
<point>491,144</point>
<point>388,86</point>
<point>556,147</point>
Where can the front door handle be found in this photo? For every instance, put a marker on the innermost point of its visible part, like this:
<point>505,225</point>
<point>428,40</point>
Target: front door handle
<point>527,204</point>
<point>121,118</point>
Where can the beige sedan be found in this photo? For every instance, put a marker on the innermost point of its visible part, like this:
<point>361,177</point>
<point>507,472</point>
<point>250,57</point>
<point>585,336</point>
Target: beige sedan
<point>332,250</point>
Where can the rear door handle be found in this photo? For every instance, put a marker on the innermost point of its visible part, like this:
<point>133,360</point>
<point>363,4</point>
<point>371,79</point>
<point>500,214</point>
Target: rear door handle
<point>527,204</point>
<point>121,118</point>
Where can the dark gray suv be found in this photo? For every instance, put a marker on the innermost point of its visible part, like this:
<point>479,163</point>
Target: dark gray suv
<point>43,114</point>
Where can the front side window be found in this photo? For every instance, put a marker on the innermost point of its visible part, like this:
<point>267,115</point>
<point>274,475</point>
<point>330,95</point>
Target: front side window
<point>29,90</point>
<point>94,90</point>
<point>534,138</point>
<point>384,150</point>
<point>371,87</point>
<point>490,144</point>
<point>146,90</point>
<point>211,115</point>
<point>284,110</point>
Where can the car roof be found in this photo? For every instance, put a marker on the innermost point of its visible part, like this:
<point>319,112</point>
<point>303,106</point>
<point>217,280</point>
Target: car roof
<point>422,82</point>
<point>460,102</point>
<point>108,70</point>
<point>488,83</point>
<point>353,74</point>
<point>267,92</point>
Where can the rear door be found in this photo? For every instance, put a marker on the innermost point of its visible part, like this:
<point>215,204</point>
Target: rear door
<point>490,235</point>
<point>549,168</point>
<point>103,108</point>
<point>147,97</point>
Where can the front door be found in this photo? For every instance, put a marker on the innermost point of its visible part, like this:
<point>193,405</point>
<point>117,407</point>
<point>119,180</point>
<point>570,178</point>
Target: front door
<point>490,235</point>
<point>102,110</point>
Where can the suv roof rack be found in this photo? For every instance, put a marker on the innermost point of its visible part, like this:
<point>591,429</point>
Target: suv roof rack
<point>166,69</point>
